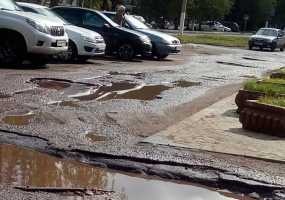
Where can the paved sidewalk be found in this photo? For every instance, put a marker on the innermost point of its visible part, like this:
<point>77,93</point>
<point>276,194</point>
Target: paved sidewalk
<point>217,129</point>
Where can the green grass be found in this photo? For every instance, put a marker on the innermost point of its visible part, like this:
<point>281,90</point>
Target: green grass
<point>269,89</point>
<point>216,40</point>
<point>273,101</point>
<point>274,81</point>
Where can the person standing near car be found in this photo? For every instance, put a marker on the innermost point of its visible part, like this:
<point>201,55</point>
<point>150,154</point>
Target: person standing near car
<point>120,15</point>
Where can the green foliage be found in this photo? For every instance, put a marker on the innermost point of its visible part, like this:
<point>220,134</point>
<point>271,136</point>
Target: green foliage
<point>209,9</point>
<point>217,40</point>
<point>258,11</point>
<point>270,89</point>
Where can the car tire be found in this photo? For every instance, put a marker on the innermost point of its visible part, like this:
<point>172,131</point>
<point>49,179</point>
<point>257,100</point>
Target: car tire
<point>250,47</point>
<point>272,49</point>
<point>282,49</point>
<point>126,52</point>
<point>12,49</point>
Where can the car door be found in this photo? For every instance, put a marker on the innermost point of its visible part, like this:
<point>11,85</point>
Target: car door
<point>93,21</point>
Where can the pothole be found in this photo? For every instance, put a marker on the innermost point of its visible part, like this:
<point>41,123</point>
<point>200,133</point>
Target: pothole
<point>18,118</point>
<point>184,84</point>
<point>41,172</point>
<point>253,59</point>
<point>4,96</point>
<point>235,64</point>
<point>94,137</point>
<point>65,103</point>
<point>56,84</point>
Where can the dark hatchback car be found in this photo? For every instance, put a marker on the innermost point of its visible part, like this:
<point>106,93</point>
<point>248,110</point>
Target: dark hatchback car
<point>120,41</point>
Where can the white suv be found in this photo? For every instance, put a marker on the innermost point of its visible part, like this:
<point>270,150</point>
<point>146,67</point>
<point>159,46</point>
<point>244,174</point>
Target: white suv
<point>83,43</point>
<point>26,35</point>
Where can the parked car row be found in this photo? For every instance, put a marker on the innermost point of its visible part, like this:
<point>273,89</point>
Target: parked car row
<point>34,32</point>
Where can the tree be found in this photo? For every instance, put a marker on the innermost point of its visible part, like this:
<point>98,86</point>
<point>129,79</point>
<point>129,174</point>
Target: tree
<point>279,18</point>
<point>259,11</point>
<point>209,9</point>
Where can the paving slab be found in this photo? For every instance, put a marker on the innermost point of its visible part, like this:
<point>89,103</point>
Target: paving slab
<point>217,129</point>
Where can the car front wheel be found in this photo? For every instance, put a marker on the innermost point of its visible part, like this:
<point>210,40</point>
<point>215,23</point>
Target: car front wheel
<point>126,52</point>
<point>12,50</point>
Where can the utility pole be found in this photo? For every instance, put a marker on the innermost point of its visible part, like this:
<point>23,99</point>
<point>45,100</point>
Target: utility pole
<point>182,17</point>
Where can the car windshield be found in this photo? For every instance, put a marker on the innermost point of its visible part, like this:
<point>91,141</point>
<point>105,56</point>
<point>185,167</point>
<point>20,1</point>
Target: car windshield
<point>111,22</point>
<point>49,13</point>
<point>8,5</point>
<point>267,32</point>
<point>135,23</point>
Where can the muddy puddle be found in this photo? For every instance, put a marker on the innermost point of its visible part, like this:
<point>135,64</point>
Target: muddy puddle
<point>20,118</point>
<point>21,167</point>
<point>94,137</point>
<point>184,84</point>
<point>73,104</point>
<point>56,84</point>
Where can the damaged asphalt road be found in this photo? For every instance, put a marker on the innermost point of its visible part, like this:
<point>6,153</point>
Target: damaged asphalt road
<point>99,113</point>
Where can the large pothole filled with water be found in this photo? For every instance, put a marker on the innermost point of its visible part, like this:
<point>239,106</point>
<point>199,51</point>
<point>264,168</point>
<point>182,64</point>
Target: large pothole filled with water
<point>114,90</point>
<point>22,167</point>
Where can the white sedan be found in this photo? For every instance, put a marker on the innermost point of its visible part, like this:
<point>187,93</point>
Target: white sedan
<point>83,43</point>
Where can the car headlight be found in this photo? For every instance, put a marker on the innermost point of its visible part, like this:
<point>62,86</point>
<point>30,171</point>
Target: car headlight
<point>145,40</point>
<point>89,39</point>
<point>38,26</point>
<point>99,39</point>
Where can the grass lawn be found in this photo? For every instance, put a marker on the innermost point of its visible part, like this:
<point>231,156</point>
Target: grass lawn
<point>217,40</point>
<point>273,101</point>
<point>269,88</point>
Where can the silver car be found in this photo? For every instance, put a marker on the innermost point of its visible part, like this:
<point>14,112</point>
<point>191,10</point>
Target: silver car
<point>268,38</point>
<point>162,43</point>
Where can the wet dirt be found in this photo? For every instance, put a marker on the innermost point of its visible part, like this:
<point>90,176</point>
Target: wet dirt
<point>184,84</point>
<point>20,118</point>
<point>22,167</point>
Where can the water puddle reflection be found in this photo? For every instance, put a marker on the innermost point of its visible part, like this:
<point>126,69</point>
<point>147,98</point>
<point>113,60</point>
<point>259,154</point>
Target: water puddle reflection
<point>21,167</point>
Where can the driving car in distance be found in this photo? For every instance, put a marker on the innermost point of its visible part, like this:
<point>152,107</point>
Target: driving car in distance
<point>28,36</point>
<point>83,43</point>
<point>162,43</point>
<point>124,43</point>
<point>271,38</point>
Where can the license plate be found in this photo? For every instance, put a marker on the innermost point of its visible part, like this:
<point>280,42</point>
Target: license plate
<point>61,43</point>
<point>258,43</point>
